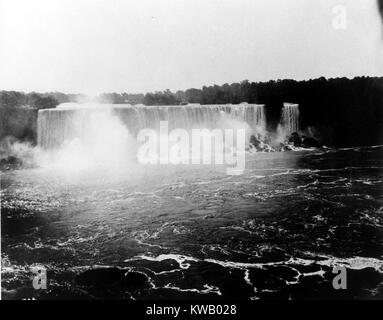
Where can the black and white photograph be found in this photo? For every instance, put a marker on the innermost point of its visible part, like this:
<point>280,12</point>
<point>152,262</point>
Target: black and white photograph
<point>191,150</point>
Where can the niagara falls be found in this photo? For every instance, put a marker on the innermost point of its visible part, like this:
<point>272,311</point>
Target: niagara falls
<point>171,152</point>
<point>89,200</point>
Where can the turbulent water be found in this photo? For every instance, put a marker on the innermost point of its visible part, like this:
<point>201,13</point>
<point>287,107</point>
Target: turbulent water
<point>275,232</point>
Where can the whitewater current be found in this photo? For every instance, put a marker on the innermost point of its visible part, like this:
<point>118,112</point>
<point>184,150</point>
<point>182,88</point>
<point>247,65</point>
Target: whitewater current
<point>275,232</point>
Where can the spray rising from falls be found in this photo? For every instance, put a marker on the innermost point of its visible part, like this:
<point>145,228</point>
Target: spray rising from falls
<point>74,121</point>
<point>83,135</point>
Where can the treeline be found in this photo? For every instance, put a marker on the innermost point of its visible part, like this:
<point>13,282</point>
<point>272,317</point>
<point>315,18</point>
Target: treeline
<point>52,99</point>
<point>32,100</point>
<point>344,111</point>
<point>253,92</point>
<point>324,90</point>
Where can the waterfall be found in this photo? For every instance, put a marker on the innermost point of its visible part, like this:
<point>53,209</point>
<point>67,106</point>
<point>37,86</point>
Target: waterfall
<point>80,121</point>
<point>290,118</point>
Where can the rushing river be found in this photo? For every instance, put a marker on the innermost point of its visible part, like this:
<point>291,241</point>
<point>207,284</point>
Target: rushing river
<point>156,232</point>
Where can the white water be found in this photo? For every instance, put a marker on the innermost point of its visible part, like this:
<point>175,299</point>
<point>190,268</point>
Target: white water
<point>82,136</point>
<point>290,118</point>
<point>80,121</point>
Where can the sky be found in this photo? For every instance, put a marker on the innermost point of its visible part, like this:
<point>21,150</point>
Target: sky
<point>95,46</point>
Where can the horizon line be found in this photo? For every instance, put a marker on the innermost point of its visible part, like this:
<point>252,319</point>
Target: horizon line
<point>195,88</point>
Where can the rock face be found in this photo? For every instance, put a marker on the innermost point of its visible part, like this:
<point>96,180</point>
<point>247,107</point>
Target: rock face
<point>255,142</point>
<point>285,147</point>
<point>295,139</point>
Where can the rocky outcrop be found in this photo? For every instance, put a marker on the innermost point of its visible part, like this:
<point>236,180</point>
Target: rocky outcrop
<point>10,163</point>
<point>293,142</point>
<point>258,145</point>
<point>255,142</point>
<point>297,141</point>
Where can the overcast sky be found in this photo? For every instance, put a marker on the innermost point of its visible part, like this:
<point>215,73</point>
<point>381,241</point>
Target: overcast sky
<point>95,46</point>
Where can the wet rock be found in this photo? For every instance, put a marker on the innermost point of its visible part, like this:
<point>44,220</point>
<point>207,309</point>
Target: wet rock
<point>257,144</point>
<point>10,163</point>
<point>267,148</point>
<point>308,142</point>
<point>285,147</point>
<point>295,139</point>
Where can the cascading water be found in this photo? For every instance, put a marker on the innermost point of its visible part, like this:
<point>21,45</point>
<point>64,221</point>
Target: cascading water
<point>76,121</point>
<point>290,118</point>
